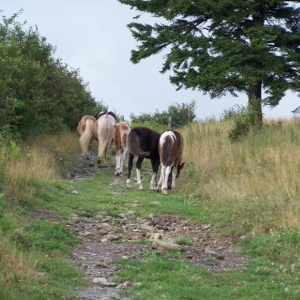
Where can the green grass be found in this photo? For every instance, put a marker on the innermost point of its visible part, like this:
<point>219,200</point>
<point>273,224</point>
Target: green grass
<point>271,272</point>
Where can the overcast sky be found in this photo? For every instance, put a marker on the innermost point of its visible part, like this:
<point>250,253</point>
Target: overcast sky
<point>92,36</point>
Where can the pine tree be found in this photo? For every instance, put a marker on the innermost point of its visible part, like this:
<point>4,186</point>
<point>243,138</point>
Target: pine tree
<point>221,47</point>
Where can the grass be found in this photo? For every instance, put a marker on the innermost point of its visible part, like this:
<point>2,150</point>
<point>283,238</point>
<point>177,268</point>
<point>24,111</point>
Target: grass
<point>249,189</point>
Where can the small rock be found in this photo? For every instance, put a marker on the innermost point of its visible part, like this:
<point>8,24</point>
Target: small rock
<point>102,264</point>
<point>111,237</point>
<point>100,280</point>
<point>158,221</point>
<point>123,285</point>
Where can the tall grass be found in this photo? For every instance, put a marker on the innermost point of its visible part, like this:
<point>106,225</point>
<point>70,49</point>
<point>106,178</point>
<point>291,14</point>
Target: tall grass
<point>41,160</point>
<point>251,185</point>
<point>16,268</point>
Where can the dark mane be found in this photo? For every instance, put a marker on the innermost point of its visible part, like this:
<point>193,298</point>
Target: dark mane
<point>103,112</point>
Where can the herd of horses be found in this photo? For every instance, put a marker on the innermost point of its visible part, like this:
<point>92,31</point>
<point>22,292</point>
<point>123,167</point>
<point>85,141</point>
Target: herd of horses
<point>165,149</point>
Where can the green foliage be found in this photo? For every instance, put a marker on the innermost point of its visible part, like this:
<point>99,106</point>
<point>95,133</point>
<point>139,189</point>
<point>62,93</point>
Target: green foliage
<point>38,93</point>
<point>279,245</point>
<point>46,237</point>
<point>177,115</point>
<point>183,241</point>
<point>8,150</point>
<point>223,47</point>
<point>243,121</point>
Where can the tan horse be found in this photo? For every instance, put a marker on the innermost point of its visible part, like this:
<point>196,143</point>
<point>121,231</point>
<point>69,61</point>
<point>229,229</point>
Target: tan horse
<point>103,130</point>
<point>84,129</point>
<point>170,148</point>
<point>121,144</point>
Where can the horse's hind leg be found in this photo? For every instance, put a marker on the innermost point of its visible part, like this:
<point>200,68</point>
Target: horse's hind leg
<point>161,179</point>
<point>122,159</point>
<point>118,163</point>
<point>138,172</point>
<point>99,157</point>
<point>130,164</point>
<point>153,182</point>
<point>90,148</point>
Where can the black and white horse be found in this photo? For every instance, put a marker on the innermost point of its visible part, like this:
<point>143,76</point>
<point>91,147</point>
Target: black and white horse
<point>143,143</point>
<point>170,149</point>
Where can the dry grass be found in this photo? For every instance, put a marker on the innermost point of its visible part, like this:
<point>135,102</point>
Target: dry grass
<point>14,266</point>
<point>41,160</point>
<point>255,181</point>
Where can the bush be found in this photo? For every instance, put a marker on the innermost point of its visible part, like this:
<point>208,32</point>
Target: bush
<point>243,120</point>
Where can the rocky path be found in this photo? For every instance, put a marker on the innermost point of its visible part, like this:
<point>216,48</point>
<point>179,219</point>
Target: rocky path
<point>106,239</point>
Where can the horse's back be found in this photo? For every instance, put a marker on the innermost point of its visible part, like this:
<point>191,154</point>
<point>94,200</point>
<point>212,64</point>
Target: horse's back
<point>170,147</point>
<point>144,138</point>
<point>121,134</point>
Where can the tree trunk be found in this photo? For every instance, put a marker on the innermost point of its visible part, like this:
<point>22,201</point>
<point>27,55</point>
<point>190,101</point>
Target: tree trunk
<point>255,105</point>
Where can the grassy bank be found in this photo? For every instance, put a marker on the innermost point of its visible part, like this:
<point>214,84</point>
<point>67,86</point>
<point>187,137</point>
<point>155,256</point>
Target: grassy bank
<point>248,189</point>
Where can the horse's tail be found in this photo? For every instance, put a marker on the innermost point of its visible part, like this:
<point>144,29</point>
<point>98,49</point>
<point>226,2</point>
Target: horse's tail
<point>124,136</point>
<point>134,145</point>
<point>105,135</point>
<point>85,138</point>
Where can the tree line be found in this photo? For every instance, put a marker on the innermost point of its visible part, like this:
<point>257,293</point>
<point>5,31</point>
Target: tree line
<point>40,94</point>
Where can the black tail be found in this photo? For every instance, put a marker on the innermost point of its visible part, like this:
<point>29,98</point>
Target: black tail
<point>134,145</point>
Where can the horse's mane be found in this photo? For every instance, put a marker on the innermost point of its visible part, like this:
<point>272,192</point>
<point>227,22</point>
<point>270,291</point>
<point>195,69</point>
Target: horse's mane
<point>101,113</point>
<point>112,114</point>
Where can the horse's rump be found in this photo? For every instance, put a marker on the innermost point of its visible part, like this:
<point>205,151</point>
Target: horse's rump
<point>84,129</point>
<point>170,148</point>
<point>121,136</point>
<point>105,127</point>
<point>143,142</point>
<point>82,123</point>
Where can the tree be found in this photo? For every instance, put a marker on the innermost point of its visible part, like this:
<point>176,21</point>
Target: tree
<point>220,47</point>
<point>38,94</point>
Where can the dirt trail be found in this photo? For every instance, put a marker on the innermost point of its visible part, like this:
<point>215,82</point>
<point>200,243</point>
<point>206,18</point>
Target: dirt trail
<point>106,239</point>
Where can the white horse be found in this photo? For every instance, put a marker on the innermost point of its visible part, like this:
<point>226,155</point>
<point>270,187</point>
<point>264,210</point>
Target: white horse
<point>103,130</point>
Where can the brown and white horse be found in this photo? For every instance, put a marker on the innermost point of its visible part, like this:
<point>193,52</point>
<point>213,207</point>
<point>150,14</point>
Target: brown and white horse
<point>103,131</point>
<point>170,149</point>
<point>121,144</point>
<point>143,143</point>
<point>84,129</point>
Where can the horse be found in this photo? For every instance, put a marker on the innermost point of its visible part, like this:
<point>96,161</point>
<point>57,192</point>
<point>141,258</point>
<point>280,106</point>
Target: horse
<point>84,130</point>
<point>121,144</point>
<point>143,143</point>
<point>103,131</point>
<point>170,150</point>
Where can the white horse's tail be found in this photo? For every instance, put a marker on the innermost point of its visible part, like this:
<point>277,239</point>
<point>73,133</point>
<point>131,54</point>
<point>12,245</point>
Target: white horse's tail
<point>105,134</point>
<point>85,139</point>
